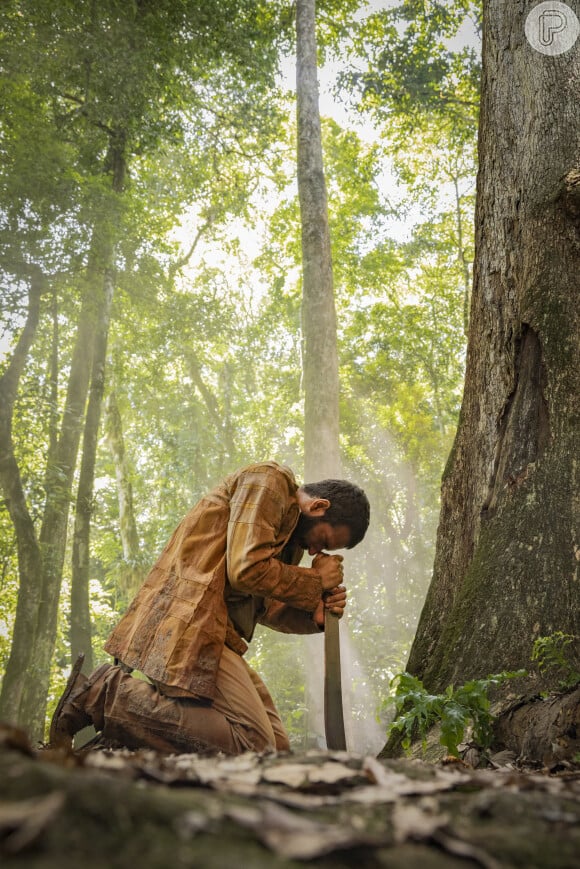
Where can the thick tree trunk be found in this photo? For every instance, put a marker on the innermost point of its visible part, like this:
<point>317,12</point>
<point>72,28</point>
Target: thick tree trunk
<point>320,355</point>
<point>508,547</point>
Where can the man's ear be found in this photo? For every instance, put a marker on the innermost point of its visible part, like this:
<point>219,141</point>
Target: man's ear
<point>316,507</point>
<point>310,505</point>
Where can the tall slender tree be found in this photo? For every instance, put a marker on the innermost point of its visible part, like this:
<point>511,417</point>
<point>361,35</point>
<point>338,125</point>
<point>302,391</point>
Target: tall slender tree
<point>320,353</point>
<point>320,350</point>
<point>28,547</point>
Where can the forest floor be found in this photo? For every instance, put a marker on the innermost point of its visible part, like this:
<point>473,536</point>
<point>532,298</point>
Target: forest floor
<point>114,809</point>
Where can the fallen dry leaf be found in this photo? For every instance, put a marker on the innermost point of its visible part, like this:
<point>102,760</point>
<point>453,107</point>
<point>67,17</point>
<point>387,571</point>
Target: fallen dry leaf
<point>416,821</point>
<point>301,775</point>
<point>296,837</point>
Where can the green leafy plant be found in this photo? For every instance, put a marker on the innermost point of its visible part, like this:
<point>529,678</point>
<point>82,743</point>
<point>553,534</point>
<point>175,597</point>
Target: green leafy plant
<point>416,711</point>
<point>554,653</point>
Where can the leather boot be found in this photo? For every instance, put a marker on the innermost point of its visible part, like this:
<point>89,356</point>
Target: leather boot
<point>70,715</point>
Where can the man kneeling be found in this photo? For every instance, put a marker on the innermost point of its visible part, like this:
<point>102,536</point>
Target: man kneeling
<point>232,562</point>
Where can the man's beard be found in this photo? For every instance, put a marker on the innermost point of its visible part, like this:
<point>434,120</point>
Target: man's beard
<point>305,524</point>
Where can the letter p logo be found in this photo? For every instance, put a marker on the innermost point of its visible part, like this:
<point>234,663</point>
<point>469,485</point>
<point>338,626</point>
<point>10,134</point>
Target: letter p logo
<point>550,22</point>
<point>552,27</point>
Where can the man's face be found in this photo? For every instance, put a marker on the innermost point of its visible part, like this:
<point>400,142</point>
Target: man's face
<point>316,535</point>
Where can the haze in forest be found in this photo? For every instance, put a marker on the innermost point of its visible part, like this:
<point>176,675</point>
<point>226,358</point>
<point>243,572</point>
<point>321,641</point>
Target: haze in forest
<point>203,361</point>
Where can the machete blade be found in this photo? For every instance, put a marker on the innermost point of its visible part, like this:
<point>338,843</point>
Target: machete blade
<point>333,714</point>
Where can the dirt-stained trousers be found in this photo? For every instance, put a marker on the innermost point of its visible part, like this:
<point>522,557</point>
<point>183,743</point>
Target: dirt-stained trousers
<point>135,713</point>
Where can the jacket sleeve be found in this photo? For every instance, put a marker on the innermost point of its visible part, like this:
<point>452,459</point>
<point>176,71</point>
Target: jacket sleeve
<point>288,619</point>
<point>263,513</point>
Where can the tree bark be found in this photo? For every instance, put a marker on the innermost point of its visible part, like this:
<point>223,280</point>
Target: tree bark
<point>134,571</point>
<point>320,355</point>
<point>508,546</point>
<point>29,553</point>
<point>542,730</point>
<point>80,618</point>
<point>53,533</point>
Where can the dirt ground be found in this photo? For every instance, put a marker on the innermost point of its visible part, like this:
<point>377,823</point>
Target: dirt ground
<point>332,809</point>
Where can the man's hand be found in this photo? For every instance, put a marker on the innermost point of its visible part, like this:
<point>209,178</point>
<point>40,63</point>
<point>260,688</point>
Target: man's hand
<point>334,601</point>
<point>330,569</point>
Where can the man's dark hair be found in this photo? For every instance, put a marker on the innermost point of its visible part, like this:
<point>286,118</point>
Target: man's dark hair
<point>348,506</point>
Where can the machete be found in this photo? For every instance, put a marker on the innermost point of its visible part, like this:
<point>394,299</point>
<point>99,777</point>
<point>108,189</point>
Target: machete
<point>333,715</point>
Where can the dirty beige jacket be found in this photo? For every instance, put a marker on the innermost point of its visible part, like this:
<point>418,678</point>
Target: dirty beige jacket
<point>228,565</point>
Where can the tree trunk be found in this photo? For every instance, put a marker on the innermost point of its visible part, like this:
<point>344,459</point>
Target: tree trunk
<point>41,560</point>
<point>80,617</point>
<point>134,571</point>
<point>320,355</point>
<point>53,381</point>
<point>508,546</point>
<point>53,534</point>
<point>29,553</point>
<point>221,417</point>
<point>542,730</point>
